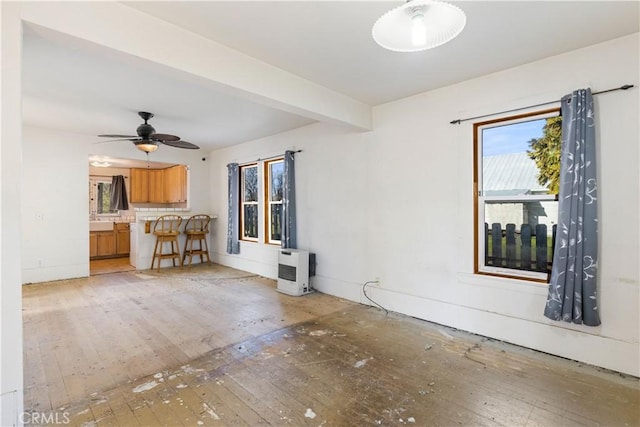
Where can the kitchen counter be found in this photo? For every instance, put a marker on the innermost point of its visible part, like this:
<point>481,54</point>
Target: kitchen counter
<point>181,215</point>
<point>143,240</point>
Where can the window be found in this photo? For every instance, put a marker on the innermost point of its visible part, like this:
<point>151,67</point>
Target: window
<point>249,201</point>
<point>274,189</point>
<point>99,197</point>
<point>516,174</point>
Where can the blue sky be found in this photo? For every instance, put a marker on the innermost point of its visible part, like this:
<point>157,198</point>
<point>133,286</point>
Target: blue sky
<point>513,138</point>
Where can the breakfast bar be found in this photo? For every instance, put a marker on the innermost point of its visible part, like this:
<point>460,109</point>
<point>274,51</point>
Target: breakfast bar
<point>143,239</point>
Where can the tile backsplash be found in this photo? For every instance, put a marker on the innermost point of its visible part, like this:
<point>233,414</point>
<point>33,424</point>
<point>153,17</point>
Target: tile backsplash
<point>162,209</point>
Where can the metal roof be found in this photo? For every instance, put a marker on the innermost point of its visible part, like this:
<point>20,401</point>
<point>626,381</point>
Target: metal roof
<point>510,175</point>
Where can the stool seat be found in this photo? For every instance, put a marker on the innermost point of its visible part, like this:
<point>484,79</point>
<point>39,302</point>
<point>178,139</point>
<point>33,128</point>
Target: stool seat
<point>167,230</point>
<point>196,229</point>
<point>166,233</point>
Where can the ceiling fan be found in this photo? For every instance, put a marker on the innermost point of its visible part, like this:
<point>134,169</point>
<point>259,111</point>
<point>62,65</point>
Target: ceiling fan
<point>147,139</point>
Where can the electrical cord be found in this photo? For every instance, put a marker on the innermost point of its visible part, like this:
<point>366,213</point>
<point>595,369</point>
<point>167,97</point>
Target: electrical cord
<point>364,291</point>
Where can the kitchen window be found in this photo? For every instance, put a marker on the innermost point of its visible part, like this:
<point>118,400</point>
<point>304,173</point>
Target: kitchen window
<point>516,174</point>
<point>100,197</point>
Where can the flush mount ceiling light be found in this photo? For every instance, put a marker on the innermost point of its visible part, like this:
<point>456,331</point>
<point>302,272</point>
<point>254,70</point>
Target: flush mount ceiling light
<point>418,25</point>
<point>100,164</point>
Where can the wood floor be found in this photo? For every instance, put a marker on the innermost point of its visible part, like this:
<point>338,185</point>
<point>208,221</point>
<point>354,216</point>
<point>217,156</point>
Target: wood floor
<point>110,265</point>
<point>218,346</point>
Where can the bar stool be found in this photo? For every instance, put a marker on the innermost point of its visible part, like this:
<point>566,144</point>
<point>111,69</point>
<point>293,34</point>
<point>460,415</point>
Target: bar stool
<point>196,229</point>
<point>166,230</point>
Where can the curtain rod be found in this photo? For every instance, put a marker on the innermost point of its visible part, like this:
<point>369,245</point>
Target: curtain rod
<point>259,159</point>
<point>458,121</point>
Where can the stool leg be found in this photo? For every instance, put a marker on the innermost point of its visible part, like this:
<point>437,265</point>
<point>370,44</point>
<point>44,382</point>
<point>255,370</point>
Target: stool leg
<point>160,252</point>
<point>178,252</point>
<point>190,250</point>
<point>155,251</point>
<point>184,252</point>
<point>206,246</point>
<point>173,253</point>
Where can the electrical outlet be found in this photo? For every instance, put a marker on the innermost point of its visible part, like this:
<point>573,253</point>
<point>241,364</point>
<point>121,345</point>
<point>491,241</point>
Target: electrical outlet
<point>40,263</point>
<point>378,281</point>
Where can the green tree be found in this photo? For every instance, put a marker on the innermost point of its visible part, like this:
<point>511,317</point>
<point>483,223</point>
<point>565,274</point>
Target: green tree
<point>545,151</point>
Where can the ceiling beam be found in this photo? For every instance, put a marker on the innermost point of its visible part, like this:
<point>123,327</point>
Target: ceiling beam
<point>194,58</point>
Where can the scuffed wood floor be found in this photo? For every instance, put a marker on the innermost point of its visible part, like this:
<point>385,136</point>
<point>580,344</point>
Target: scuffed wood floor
<point>217,346</point>
<point>109,265</point>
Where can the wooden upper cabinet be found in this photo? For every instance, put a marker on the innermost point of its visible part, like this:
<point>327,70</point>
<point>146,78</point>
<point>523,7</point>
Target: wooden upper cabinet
<point>175,184</point>
<point>156,186</point>
<point>159,185</point>
<point>139,186</point>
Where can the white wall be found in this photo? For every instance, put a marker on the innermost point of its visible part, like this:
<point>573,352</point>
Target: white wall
<point>55,218</point>
<point>11,399</point>
<point>396,204</point>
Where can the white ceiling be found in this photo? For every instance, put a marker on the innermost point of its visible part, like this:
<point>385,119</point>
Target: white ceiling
<point>93,91</point>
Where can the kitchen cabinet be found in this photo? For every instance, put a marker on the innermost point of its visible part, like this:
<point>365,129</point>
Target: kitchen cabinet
<point>106,243</point>
<point>93,244</point>
<point>123,238</point>
<point>159,185</point>
<point>110,244</point>
<point>156,186</point>
<point>175,184</point>
<point>139,186</point>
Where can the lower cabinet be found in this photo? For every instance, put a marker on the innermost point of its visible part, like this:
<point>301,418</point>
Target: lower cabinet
<point>123,238</point>
<point>106,243</point>
<point>110,244</point>
<point>93,244</point>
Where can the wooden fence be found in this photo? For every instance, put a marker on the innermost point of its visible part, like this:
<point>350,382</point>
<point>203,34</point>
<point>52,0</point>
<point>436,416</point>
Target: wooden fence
<point>529,249</point>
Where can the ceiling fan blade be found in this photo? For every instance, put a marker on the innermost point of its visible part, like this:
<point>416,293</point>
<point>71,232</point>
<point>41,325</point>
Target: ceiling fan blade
<point>115,140</point>
<point>181,144</point>
<point>162,137</point>
<point>118,136</point>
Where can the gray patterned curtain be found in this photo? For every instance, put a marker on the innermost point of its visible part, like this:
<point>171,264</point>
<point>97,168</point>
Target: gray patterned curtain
<point>289,237</point>
<point>572,289</point>
<point>118,196</point>
<point>233,227</point>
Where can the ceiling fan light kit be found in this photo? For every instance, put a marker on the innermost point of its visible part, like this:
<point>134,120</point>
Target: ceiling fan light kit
<point>147,139</point>
<point>146,146</point>
<point>418,25</point>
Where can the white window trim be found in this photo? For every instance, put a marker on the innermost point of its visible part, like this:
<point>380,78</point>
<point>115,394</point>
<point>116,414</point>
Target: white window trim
<point>94,181</point>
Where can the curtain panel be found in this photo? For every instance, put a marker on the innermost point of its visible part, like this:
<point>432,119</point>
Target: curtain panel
<point>289,235</point>
<point>118,195</point>
<point>233,227</point>
<point>572,289</point>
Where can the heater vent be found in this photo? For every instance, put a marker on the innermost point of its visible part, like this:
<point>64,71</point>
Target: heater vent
<point>287,272</point>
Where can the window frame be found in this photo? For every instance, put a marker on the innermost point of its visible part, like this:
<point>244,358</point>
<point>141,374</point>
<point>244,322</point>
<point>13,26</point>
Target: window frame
<point>479,199</point>
<point>94,185</point>
<point>243,202</point>
<point>267,200</point>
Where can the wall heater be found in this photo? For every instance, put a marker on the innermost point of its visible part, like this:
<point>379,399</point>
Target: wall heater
<point>295,268</point>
